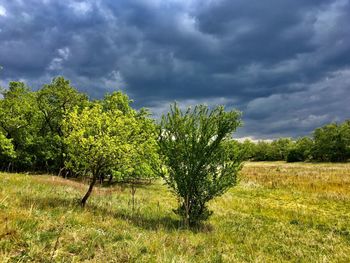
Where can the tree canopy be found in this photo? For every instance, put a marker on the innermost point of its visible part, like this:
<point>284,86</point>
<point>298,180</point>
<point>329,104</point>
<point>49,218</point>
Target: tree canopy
<point>109,137</point>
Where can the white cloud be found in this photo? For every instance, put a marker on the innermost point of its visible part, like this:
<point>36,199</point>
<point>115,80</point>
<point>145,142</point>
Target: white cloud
<point>3,11</point>
<point>81,8</point>
<point>185,4</point>
<point>188,26</point>
<point>252,139</point>
<point>114,81</point>
<point>63,55</point>
<point>26,17</point>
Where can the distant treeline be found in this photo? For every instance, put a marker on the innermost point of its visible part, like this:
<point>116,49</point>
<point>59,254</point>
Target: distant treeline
<point>330,143</point>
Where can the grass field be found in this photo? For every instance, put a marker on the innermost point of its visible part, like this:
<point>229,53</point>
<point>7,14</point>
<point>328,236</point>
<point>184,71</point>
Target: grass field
<point>278,212</point>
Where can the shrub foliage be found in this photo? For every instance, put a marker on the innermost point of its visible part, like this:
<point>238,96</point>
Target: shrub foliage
<point>199,166</point>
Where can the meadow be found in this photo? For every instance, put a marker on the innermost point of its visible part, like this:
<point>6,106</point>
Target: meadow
<point>279,212</point>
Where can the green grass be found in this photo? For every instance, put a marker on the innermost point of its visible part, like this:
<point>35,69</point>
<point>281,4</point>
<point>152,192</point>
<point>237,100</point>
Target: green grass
<point>279,212</point>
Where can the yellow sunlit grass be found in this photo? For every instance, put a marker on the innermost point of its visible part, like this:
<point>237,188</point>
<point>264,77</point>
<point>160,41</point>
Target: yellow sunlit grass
<point>278,212</point>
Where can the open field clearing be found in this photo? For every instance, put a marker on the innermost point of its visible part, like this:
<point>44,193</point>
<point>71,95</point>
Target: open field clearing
<point>279,212</point>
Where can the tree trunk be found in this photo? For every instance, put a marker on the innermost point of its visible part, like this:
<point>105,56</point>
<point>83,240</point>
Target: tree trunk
<point>9,166</point>
<point>133,191</point>
<point>110,179</point>
<point>187,212</point>
<point>88,193</point>
<point>60,172</point>
<point>102,178</point>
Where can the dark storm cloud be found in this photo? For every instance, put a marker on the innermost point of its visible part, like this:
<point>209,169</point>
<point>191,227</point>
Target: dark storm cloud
<point>285,64</point>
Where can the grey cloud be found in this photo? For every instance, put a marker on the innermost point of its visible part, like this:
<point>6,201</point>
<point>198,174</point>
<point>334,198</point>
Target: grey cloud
<point>299,113</point>
<point>266,58</point>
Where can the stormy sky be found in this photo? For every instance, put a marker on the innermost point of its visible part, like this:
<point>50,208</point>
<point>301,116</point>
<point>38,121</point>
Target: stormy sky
<point>284,63</point>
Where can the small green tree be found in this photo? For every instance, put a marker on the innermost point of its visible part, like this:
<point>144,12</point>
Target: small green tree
<point>104,139</point>
<point>279,149</point>
<point>145,160</point>
<point>242,150</point>
<point>300,150</point>
<point>199,165</point>
<point>262,151</point>
<point>345,134</point>
<point>331,143</point>
<point>247,148</point>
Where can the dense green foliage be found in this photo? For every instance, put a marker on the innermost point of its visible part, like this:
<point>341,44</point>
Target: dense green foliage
<point>6,149</point>
<point>19,123</point>
<point>33,123</point>
<point>301,150</point>
<point>330,143</point>
<point>271,151</point>
<point>55,101</point>
<point>109,137</point>
<point>200,167</point>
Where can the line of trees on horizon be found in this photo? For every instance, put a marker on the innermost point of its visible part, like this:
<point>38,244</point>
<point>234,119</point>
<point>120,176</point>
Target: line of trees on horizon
<point>330,143</point>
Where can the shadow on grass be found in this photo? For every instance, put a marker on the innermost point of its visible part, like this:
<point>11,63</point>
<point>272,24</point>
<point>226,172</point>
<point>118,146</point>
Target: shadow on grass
<point>151,222</point>
<point>49,202</point>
